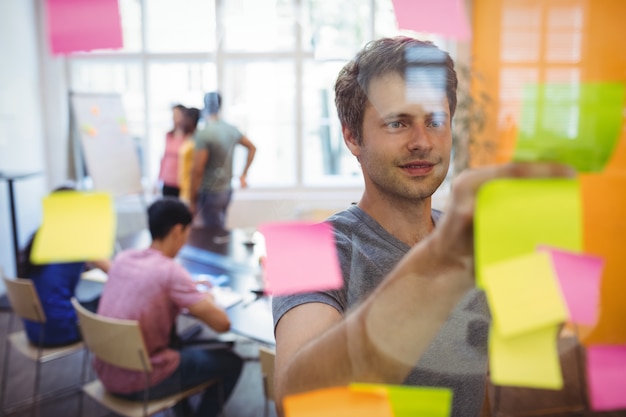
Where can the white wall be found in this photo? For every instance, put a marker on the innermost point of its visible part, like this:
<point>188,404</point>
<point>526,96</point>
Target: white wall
<point>21,133</point>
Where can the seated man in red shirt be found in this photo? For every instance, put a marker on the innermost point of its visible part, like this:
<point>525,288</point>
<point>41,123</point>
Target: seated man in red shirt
<point>149,286</point>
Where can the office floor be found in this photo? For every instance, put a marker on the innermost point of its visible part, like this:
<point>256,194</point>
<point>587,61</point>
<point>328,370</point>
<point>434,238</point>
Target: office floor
<point>247,400</point>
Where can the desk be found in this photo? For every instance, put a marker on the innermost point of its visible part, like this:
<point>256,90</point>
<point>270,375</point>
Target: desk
<point>230,253</point>
<point>10,178</point>
<point>216,252</point>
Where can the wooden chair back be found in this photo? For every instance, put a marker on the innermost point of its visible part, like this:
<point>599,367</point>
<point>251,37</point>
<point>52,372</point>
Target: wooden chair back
<point>115,341</point>
<point>24,300</point>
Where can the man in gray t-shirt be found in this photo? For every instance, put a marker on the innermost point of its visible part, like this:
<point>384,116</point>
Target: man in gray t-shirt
<point>408,312</point>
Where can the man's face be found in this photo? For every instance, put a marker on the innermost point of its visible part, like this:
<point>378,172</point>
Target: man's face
<point>407,138</point>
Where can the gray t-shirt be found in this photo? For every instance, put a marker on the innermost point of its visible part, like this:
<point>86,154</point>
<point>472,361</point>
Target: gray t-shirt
<point>220,139</point>
<point>456,358</point>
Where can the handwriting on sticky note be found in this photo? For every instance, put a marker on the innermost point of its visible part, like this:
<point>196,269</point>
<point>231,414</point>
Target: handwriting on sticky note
<point>301,257</point>
<point>76,227</point>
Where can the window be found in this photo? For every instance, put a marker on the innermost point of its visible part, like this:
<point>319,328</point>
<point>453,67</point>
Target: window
<point>275,62</point>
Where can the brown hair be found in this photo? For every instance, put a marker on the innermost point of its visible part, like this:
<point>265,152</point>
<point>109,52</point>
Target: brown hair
<point>381,57</point>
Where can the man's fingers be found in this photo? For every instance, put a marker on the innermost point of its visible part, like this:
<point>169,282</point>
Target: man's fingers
<point>471,180</point>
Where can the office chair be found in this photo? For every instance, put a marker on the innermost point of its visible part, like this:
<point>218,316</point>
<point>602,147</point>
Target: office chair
<point>25,304</point>
<point>266,357</point>
<point>120,343</point>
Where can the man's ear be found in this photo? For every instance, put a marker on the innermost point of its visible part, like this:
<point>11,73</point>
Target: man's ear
<point>351,141</point>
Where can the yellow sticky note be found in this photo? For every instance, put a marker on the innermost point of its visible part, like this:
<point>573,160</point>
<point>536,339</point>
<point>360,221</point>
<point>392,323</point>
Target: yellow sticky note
<point>338,402</point>
<point>514,216</point>
<point>408,401</point>
<point>524,294</point>
<point>529,360</point>
<point>76,226</point>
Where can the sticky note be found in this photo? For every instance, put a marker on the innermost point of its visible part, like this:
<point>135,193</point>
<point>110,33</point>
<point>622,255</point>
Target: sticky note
<point>409,401</point>
<point>577,124</point>
<point>301,257</point>
<point>76,227</point>
<point>604,222</point>
<point>514,216</point>
<point>579,279</point>
<point>78,25</point>
<point>523,294</point>
<point>338,402</point>
<point>529,360</point>
<point>445,17</point>
<point>606,377</point>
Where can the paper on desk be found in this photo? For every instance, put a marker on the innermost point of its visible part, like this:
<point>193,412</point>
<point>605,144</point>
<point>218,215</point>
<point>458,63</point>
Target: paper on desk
<point>579,279</point>
<point>606,377</point>
<point>409,401</point>
<point>514,216</point>
<point>523,294</point>
<point>338,402</point>
<point>77,226</point>
<point>604,205</point>
<point>301,257</point>
<point>577,124</point>
<point>529,360</point>
<point>225,297</point>
<point>95,275</point>
<point>446,17</point>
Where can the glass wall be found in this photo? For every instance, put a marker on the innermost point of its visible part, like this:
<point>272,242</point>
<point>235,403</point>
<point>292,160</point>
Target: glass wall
<point>275,62</point>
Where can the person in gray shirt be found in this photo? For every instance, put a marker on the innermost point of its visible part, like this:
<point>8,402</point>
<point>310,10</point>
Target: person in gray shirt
<point>408,312</point>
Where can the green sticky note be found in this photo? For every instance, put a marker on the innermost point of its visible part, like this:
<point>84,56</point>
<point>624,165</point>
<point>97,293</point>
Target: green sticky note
<point>529,360</point>
<point>524,294</point>
<point>409,401</point>
<point>76,227</point>
<point>514,216</point>
<point>577,124</point>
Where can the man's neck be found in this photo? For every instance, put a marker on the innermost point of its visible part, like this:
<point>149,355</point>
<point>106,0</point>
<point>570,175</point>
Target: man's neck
<point>408,220</point>
<point>165,246</point>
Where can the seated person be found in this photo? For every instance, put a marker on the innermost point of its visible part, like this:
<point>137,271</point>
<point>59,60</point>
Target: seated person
<point>147,285</point>
<point>56,285</point>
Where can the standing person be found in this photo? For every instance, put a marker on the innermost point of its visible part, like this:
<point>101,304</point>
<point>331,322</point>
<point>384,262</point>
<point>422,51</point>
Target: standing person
<point>56,285</point>
<point>174,139</point>
<point>408,312</point>
<point>147,285</point>
<point>185,154</point>
<point>212,171</point>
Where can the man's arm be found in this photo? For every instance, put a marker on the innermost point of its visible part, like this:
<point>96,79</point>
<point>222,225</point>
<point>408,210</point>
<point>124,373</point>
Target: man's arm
<point>382,339</point>
<point>251,151</point>
<point>200,158</point>
<point>210,313</point>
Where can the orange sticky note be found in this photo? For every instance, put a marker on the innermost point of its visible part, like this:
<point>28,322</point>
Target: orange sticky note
<point>338,402</point>
<point>604,231</point>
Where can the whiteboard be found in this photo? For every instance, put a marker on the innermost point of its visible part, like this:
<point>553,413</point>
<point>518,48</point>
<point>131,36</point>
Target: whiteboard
<point>109,150</point>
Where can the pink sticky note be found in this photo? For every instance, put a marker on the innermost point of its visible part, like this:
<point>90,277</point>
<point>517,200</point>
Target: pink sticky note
<point>606,377</point>
<point>79,25</point>
<point>446,17</point>
<point>301,257</point>
<point>579,277</point>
